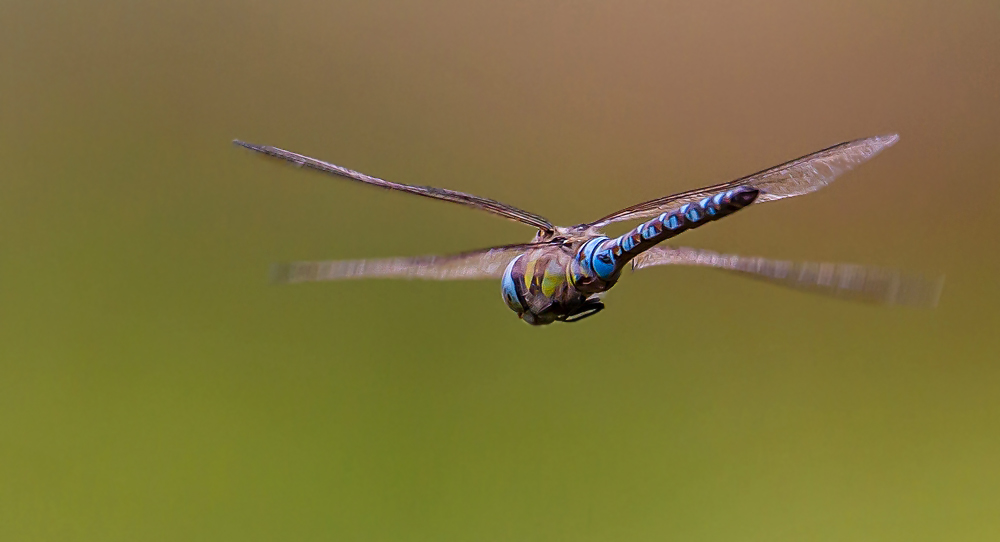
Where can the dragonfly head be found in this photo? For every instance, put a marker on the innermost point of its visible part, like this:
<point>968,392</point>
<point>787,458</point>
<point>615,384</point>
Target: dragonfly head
<point>536,307</point>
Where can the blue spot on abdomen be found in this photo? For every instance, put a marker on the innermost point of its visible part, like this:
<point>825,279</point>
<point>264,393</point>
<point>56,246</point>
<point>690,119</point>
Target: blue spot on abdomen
<point>649,232</point>
<point>627,243</point>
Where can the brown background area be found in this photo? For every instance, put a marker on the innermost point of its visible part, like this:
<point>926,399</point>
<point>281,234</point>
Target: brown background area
<point>154,387</point>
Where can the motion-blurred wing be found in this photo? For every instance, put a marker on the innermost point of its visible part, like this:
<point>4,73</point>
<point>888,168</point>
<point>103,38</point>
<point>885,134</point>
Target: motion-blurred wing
<point>487,263</point>
<point>794,178</point>
<point>847,281</point>
<point>485,204</point>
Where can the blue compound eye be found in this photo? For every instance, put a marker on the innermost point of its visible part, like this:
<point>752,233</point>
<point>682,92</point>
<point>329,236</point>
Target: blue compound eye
<point>603,264</point>
<point>508,288</point>
<point>586,253</point>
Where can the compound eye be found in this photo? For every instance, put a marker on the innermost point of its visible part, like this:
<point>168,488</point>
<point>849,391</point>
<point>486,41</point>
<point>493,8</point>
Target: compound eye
<point>604,264</point>
<point>508,288</point>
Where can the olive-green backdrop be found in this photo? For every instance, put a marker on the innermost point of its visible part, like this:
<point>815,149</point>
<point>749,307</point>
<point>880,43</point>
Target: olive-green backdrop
<point>154,387</point>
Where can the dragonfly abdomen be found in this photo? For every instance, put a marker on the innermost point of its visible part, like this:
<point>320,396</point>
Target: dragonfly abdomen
<point>605,258</point>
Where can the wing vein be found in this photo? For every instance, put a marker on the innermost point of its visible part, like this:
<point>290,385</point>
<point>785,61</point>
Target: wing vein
<point>793,178</point>
<point>444,194</point>
<point>847,281</point>
<point>487,263</point>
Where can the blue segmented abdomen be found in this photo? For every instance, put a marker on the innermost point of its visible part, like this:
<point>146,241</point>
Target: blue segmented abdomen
<point>604,257</point>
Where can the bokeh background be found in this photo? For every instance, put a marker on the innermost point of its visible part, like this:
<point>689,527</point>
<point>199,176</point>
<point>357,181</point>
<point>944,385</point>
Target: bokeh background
<point>153,386</point>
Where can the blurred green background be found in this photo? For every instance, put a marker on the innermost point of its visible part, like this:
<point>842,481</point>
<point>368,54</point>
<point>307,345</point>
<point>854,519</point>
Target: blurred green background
<point>153,386</point>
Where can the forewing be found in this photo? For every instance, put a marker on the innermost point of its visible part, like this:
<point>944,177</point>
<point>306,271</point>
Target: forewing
<point>794,178</point>
<point>485,204</point>
<point>847,281</point>
<point>487,263</point>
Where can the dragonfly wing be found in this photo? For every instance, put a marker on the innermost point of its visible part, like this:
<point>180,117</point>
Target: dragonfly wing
<point>488,263</point>
<point>794,178</point>
<point>847,281</point>
<point>485,204</point>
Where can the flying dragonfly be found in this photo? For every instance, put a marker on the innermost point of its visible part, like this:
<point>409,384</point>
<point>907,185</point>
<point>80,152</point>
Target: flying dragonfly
<point>564,272</point>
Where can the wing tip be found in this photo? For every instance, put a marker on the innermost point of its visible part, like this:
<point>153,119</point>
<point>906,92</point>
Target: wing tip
<point>280,273</point>
<point>936,287</point>
<point>252,146</point>
<point>887,140</point>
<point>883,141</point>
<point>916,291</point>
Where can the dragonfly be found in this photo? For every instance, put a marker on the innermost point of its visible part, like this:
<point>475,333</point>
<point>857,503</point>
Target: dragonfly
<point>563,273</point>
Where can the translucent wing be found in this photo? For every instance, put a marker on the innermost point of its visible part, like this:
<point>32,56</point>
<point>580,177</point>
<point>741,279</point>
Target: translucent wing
<point>486,204</point>
<point>487,263</point>
<point>794,178</point>
<point>847,281</point>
